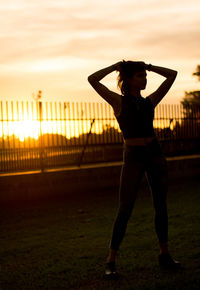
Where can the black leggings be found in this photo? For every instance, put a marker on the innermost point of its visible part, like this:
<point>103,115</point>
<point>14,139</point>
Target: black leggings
<point>137,161</point>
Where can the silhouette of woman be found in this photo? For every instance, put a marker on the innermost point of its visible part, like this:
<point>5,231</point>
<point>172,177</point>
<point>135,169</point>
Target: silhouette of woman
<point>141,152</point>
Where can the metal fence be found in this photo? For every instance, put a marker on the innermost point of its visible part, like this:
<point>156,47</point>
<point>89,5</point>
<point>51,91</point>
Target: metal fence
<point>39,135</point>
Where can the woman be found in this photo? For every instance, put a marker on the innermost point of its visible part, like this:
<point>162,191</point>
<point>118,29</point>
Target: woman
<point>142,152</point>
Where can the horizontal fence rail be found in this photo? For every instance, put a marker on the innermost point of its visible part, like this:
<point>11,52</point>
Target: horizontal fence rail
<point>39,135</point>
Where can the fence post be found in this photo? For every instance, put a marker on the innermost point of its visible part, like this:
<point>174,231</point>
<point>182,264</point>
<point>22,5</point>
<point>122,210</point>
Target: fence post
<point>3,145</point>
<point>41,139</point>
<point>86,143</point>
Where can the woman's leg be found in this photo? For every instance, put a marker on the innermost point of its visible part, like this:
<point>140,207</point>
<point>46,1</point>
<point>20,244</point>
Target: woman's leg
<point>131,175</point>
<point>158,178</point>
<point>157,174</point>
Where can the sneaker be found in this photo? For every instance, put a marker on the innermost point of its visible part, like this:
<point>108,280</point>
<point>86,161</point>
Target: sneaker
<point>166,262</point>
<point>110,270</point>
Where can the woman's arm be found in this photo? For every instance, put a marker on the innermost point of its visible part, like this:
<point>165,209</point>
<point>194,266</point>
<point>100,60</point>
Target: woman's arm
<point>94,79</point>
<point>170,75</point>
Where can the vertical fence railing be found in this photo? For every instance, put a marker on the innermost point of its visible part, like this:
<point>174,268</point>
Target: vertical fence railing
<point>45,134</point>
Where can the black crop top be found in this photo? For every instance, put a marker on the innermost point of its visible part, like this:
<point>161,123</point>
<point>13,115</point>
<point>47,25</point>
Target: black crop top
<point>136,117</point>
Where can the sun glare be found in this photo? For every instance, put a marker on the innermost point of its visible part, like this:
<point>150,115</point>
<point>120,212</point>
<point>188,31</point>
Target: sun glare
<point>28,122</point>
<point>25,129</point>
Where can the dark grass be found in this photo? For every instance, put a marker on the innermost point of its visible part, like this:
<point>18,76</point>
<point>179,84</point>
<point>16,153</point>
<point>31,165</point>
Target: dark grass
<point>63,243</point>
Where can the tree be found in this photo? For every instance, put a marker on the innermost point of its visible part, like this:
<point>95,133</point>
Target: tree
<point>192,98</point>
<point>197,73</point>
<point>191,110</point>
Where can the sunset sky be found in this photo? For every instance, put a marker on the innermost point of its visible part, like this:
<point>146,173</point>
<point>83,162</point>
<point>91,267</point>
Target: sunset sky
<point>53,45</point>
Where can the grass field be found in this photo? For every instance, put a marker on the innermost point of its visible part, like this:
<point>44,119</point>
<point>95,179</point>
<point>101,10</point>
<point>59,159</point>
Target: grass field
<point>62,244</point>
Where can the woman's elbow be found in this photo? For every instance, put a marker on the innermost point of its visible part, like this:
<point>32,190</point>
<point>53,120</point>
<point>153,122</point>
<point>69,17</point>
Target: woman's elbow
<point>175,73</point>
<point>91,79</point>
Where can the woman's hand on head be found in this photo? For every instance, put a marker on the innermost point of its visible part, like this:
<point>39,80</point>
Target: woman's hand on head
<point>118,65</point>
<point>144,64</point>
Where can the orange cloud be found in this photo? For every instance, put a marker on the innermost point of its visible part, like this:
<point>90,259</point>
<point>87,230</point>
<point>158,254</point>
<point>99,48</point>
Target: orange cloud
<point>66,40</point>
